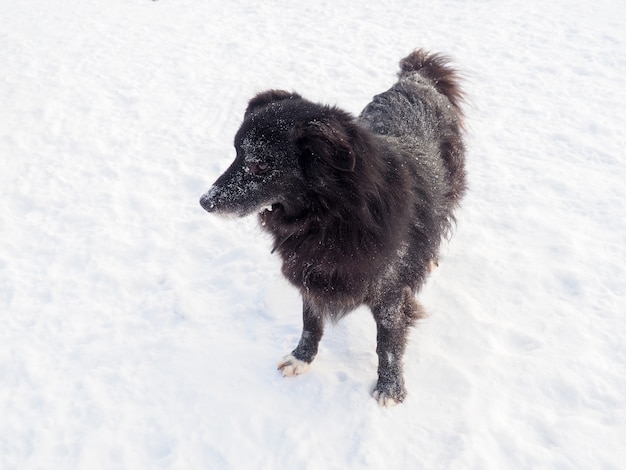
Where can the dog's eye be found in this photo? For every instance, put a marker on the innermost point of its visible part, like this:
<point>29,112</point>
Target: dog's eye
<point>257,168</point>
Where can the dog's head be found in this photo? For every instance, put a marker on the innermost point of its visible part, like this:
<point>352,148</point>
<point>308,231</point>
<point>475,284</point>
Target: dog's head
<point>285,146</point>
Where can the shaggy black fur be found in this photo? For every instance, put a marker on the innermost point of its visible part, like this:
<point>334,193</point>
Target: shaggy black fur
<point>357,207</point>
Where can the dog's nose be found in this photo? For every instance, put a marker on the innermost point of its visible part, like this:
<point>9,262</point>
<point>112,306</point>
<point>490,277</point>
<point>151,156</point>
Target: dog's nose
<point>207,202</point>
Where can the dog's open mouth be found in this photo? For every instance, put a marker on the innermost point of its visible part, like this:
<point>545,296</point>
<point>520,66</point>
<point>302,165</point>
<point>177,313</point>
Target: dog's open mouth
<point>271,208</point>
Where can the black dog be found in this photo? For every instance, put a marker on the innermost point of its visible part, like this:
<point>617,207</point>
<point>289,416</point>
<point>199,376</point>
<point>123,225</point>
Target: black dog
<point>357,207</point>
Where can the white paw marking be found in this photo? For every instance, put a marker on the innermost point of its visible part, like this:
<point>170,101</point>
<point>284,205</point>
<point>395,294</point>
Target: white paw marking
<point>383,399</point>
<point>290,366</point>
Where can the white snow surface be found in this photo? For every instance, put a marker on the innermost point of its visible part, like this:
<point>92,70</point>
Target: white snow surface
<point>139,332</point>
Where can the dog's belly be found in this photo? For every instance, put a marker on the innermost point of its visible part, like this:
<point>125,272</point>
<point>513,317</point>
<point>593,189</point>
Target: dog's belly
<point>328,289</point>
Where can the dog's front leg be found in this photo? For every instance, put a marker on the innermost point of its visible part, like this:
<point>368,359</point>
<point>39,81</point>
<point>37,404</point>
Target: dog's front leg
<point>300,359</point>
<point>394,316</point>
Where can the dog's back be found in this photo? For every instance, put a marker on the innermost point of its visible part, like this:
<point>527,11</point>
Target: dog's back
<point>422,110</point>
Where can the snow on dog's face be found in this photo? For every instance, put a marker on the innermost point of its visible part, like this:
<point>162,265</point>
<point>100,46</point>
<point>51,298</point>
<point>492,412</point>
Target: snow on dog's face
<point>288,149</point>
<point>266,167</point>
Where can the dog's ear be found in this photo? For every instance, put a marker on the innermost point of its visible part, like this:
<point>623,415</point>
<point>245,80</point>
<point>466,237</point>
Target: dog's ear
<point>266,97</point>
<point>324,144</point>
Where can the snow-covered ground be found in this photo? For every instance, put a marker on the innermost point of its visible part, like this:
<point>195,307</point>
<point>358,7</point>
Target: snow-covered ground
<point>139,332</point>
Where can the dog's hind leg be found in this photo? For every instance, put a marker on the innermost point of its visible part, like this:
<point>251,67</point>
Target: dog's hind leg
<point>300,359</point>
<point>434,264</point>
<point>394,315</point>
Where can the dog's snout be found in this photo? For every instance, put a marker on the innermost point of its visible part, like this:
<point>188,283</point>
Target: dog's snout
<point>207,201</point>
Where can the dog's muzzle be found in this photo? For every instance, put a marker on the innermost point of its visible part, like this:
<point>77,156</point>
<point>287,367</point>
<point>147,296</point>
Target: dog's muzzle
<point>208,200</point>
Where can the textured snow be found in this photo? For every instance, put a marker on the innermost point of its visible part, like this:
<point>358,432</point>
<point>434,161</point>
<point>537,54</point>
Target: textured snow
<point>139,332</point>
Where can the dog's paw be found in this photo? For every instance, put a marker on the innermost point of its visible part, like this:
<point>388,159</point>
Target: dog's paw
<point>387,397</point>
<point>290,366</point>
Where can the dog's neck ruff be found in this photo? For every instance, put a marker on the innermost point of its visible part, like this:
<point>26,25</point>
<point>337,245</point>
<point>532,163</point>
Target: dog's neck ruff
<point>281,242</point>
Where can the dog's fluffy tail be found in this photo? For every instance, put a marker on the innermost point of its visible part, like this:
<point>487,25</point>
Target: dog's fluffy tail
<point>437,68</point>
